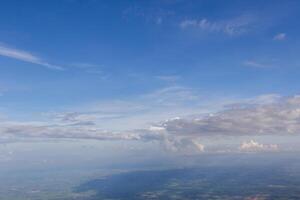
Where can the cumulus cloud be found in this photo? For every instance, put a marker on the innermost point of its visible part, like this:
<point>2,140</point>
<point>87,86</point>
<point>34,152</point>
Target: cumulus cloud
<point>183,145</point>
<point>279,36</point>
<point>280,118</point>
<point>267,115</point>
<point>26,57</point>
<point>74,126</point>
<point>234,26</point>
<point>253,146</point>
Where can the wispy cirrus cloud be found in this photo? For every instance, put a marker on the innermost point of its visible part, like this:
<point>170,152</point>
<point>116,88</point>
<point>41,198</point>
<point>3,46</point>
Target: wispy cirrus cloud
<point>280,36</point>
<point>253,63</point>
<point>169,78</point>
<point>139,111</point>
<point>116,120</point>
<point>235,26</point>
<point>84,65</point>
<point>149,14</point>
<point>26,56</point>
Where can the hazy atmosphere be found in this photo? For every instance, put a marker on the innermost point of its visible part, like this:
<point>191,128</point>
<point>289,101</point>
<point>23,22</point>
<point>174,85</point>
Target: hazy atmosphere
<point>158,99</point>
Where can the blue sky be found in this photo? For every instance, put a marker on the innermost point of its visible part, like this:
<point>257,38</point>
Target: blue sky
<point>124,65</point>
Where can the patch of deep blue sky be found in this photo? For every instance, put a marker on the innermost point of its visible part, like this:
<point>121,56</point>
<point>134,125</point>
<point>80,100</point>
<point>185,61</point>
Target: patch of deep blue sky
<point>118,49</point>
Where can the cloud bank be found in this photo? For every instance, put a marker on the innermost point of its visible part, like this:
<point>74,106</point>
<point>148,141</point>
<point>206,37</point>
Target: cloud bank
<point>253,146</point>
<point>270,115</point>
<point>279,118</point>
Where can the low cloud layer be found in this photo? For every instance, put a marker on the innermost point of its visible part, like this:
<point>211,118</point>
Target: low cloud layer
<point>279,118</point>
<point>253,146</point>
<point>266,116</point>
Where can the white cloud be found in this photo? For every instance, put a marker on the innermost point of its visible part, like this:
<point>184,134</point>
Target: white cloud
<point>140,111</point>
<point>159,20</point>
<point>280,36</point>
<point>231,27</point>
<point>276,118</point>
<point>84,65</point>
<point>252,63</point>
<point>187,23</point>
<point>182,145</point>
<point>253,146</point>
<point>50,130</point>
<point>26,57</point>
<point>114,116</point>
<point>117,120</point>
<point>266,115</point>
